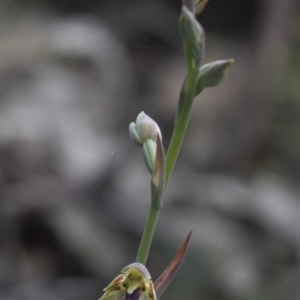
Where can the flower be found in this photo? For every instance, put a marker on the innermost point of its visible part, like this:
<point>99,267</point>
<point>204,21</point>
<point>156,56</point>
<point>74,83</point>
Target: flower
<point>133,283</point>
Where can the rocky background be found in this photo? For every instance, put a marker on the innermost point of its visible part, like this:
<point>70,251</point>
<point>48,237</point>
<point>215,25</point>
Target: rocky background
<point>74,190</point>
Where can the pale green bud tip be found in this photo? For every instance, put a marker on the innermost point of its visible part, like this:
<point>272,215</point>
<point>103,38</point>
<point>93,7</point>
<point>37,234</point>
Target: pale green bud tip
<point>134,135</point>
<point>213,74</point>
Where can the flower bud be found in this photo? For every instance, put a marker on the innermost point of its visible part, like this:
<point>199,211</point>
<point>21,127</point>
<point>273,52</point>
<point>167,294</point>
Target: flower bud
<point>192,35</point>
<point>144,133</point>
<point>143,129</point>
<point>212,74</point>
<point>146,127</point>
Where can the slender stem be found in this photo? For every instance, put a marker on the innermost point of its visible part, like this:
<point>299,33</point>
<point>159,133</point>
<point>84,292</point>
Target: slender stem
<point>157,191</point>
<point>147,236</point>
<point>181,120</point>
<point>181,123</point>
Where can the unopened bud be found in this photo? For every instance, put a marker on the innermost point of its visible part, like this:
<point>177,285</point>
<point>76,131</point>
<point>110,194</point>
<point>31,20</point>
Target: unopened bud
<point>212,74</point>
<point>193,36</point>
<point>144,133</point>
<point>143,129</point>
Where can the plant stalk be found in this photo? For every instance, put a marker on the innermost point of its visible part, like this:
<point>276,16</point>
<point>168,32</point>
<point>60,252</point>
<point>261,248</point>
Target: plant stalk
<point>182,117</point>
<point>147,235</point>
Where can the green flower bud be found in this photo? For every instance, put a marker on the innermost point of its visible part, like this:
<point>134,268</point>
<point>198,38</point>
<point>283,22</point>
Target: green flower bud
<point>192,35</point>
<point>143,129</point>
<point>144,133</point>
<point>146,127</point>
<point>212,74</point>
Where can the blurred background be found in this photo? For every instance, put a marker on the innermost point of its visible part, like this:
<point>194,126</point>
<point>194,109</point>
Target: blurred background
<point>75,192</point>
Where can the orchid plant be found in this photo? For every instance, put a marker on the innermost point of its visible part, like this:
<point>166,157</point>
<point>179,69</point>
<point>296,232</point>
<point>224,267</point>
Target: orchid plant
<point>134,282</point>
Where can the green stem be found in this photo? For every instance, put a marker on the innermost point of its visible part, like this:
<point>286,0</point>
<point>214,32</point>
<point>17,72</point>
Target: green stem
<point>181,123</point>
<point>147,235</point>
<point>157,191</point>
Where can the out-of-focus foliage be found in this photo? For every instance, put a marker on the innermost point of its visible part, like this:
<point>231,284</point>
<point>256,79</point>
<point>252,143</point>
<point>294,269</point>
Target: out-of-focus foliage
<point>73,74</point>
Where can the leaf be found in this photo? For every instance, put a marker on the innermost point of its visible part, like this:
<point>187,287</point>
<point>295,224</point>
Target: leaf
<point>168,275</point>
